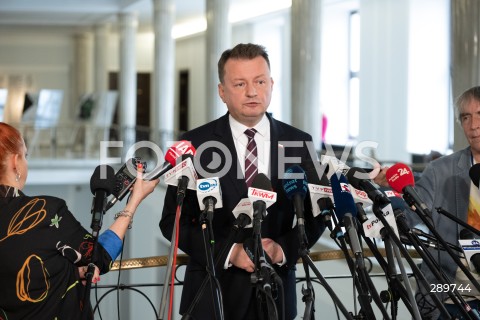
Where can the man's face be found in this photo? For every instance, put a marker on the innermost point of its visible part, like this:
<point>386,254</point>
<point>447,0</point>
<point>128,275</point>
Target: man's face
<point>470,120</point>
<point>246,89</point>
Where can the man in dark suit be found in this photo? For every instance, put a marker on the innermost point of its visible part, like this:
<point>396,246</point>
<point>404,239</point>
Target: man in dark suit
<point>245,87</point>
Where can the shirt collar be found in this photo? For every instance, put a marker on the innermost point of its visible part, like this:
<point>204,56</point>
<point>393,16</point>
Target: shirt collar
<point>238,128</point>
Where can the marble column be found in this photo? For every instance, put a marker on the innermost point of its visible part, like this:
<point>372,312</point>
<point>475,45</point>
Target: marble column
<point>465,62</point>
<point>306,30</point>
<point>127,78</point>
<point>83,69</point>
<point>101,57</point>
<point>218,36</point>
<point>162,110</point>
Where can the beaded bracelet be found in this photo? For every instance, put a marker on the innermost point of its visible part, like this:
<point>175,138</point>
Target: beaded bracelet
<point>125,213</point>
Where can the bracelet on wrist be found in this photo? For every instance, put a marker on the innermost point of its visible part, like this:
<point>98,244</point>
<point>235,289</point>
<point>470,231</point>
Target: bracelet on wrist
<point>125,213</point>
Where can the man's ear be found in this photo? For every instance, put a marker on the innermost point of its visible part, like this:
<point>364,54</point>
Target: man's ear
<point>221,92</point>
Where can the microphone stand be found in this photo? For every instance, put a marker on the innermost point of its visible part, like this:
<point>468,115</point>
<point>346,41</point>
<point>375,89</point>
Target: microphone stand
<point>359,280</point>
<point>434,267</point>
<point>396,289</point>
<point>97,222</point>
<point>392,273</point>
<point>306,259</point>
<point>421,213</point>
<point>455,219</point>
<point>207,241</point>
<point>440,275</point>
<point>261,276</point>
<point>243,220</point>
<point>308,295</point>
<point>308,262</point>
<point>416,271</point>
<point>170,262</point>
<point>182,186</point>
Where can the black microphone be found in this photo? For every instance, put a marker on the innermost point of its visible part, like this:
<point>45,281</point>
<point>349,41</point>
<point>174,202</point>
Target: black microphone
<point>474,173</point>
<point>243,213</point>
<point>471,247</point>
<point>360,179</point>
<point>183,176</point>
<point>102,184</point>
<point>209,195</point>
<point>173,153</point>
<point>346,211</point>
<point>320,192</point>
<point>261,196</point>
<point>295,186</point>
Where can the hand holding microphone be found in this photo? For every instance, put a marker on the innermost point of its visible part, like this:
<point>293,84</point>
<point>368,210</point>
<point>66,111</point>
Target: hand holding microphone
<point>142,188</point>
<point>174,152</point>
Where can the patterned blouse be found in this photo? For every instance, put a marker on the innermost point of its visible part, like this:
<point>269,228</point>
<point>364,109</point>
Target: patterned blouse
<point>41,247</point>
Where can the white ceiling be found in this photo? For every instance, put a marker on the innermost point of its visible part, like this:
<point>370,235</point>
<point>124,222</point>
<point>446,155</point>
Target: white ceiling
<point>86,13</point>
<point>78,13</point>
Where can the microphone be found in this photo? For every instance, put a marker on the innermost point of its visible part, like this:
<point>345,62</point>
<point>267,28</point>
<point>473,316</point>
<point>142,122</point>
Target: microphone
<point>175,151</point>
<point>392,212</point>
<point>333,165</point>
<point>471,248</point>
<point>262,198</point>
<point>243,213</point>
<point>183,176</point>
<point>318,188</point>
<point>102,184</point>
<point>295,186</point>
<point>346,210</point>
<point>260,194</point>
<point>400,178</point>
<point>360,179</point>
<point>209,195</point>
<point>474,173</point>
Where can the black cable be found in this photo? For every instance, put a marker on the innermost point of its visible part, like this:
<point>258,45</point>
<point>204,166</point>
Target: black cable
<point>118,278</point>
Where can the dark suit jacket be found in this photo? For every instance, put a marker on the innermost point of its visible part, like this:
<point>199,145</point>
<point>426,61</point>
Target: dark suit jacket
<point>237,290</point>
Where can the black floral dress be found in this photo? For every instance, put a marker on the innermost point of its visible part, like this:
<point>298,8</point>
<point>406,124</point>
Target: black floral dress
<point>41,247</point>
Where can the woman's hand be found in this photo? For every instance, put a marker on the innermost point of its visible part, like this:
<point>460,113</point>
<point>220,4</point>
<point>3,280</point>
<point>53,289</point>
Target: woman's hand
<point>82,272</point>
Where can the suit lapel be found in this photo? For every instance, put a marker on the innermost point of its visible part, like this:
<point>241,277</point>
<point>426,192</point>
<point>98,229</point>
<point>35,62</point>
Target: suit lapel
<point>276,135</point>
<point>461,189</point>
<point>224,135</point>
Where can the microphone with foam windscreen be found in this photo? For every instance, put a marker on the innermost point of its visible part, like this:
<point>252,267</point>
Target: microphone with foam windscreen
<point>295,186</point>
<point>102,184</point>
<point>173,153</point>
<point>346,210</point>
<point>400,178</point>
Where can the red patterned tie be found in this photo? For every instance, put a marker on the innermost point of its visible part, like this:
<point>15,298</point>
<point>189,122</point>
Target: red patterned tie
<point>251,160</point>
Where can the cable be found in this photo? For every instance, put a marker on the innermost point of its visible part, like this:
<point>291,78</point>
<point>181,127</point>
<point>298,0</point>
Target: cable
<point>174,263</point>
